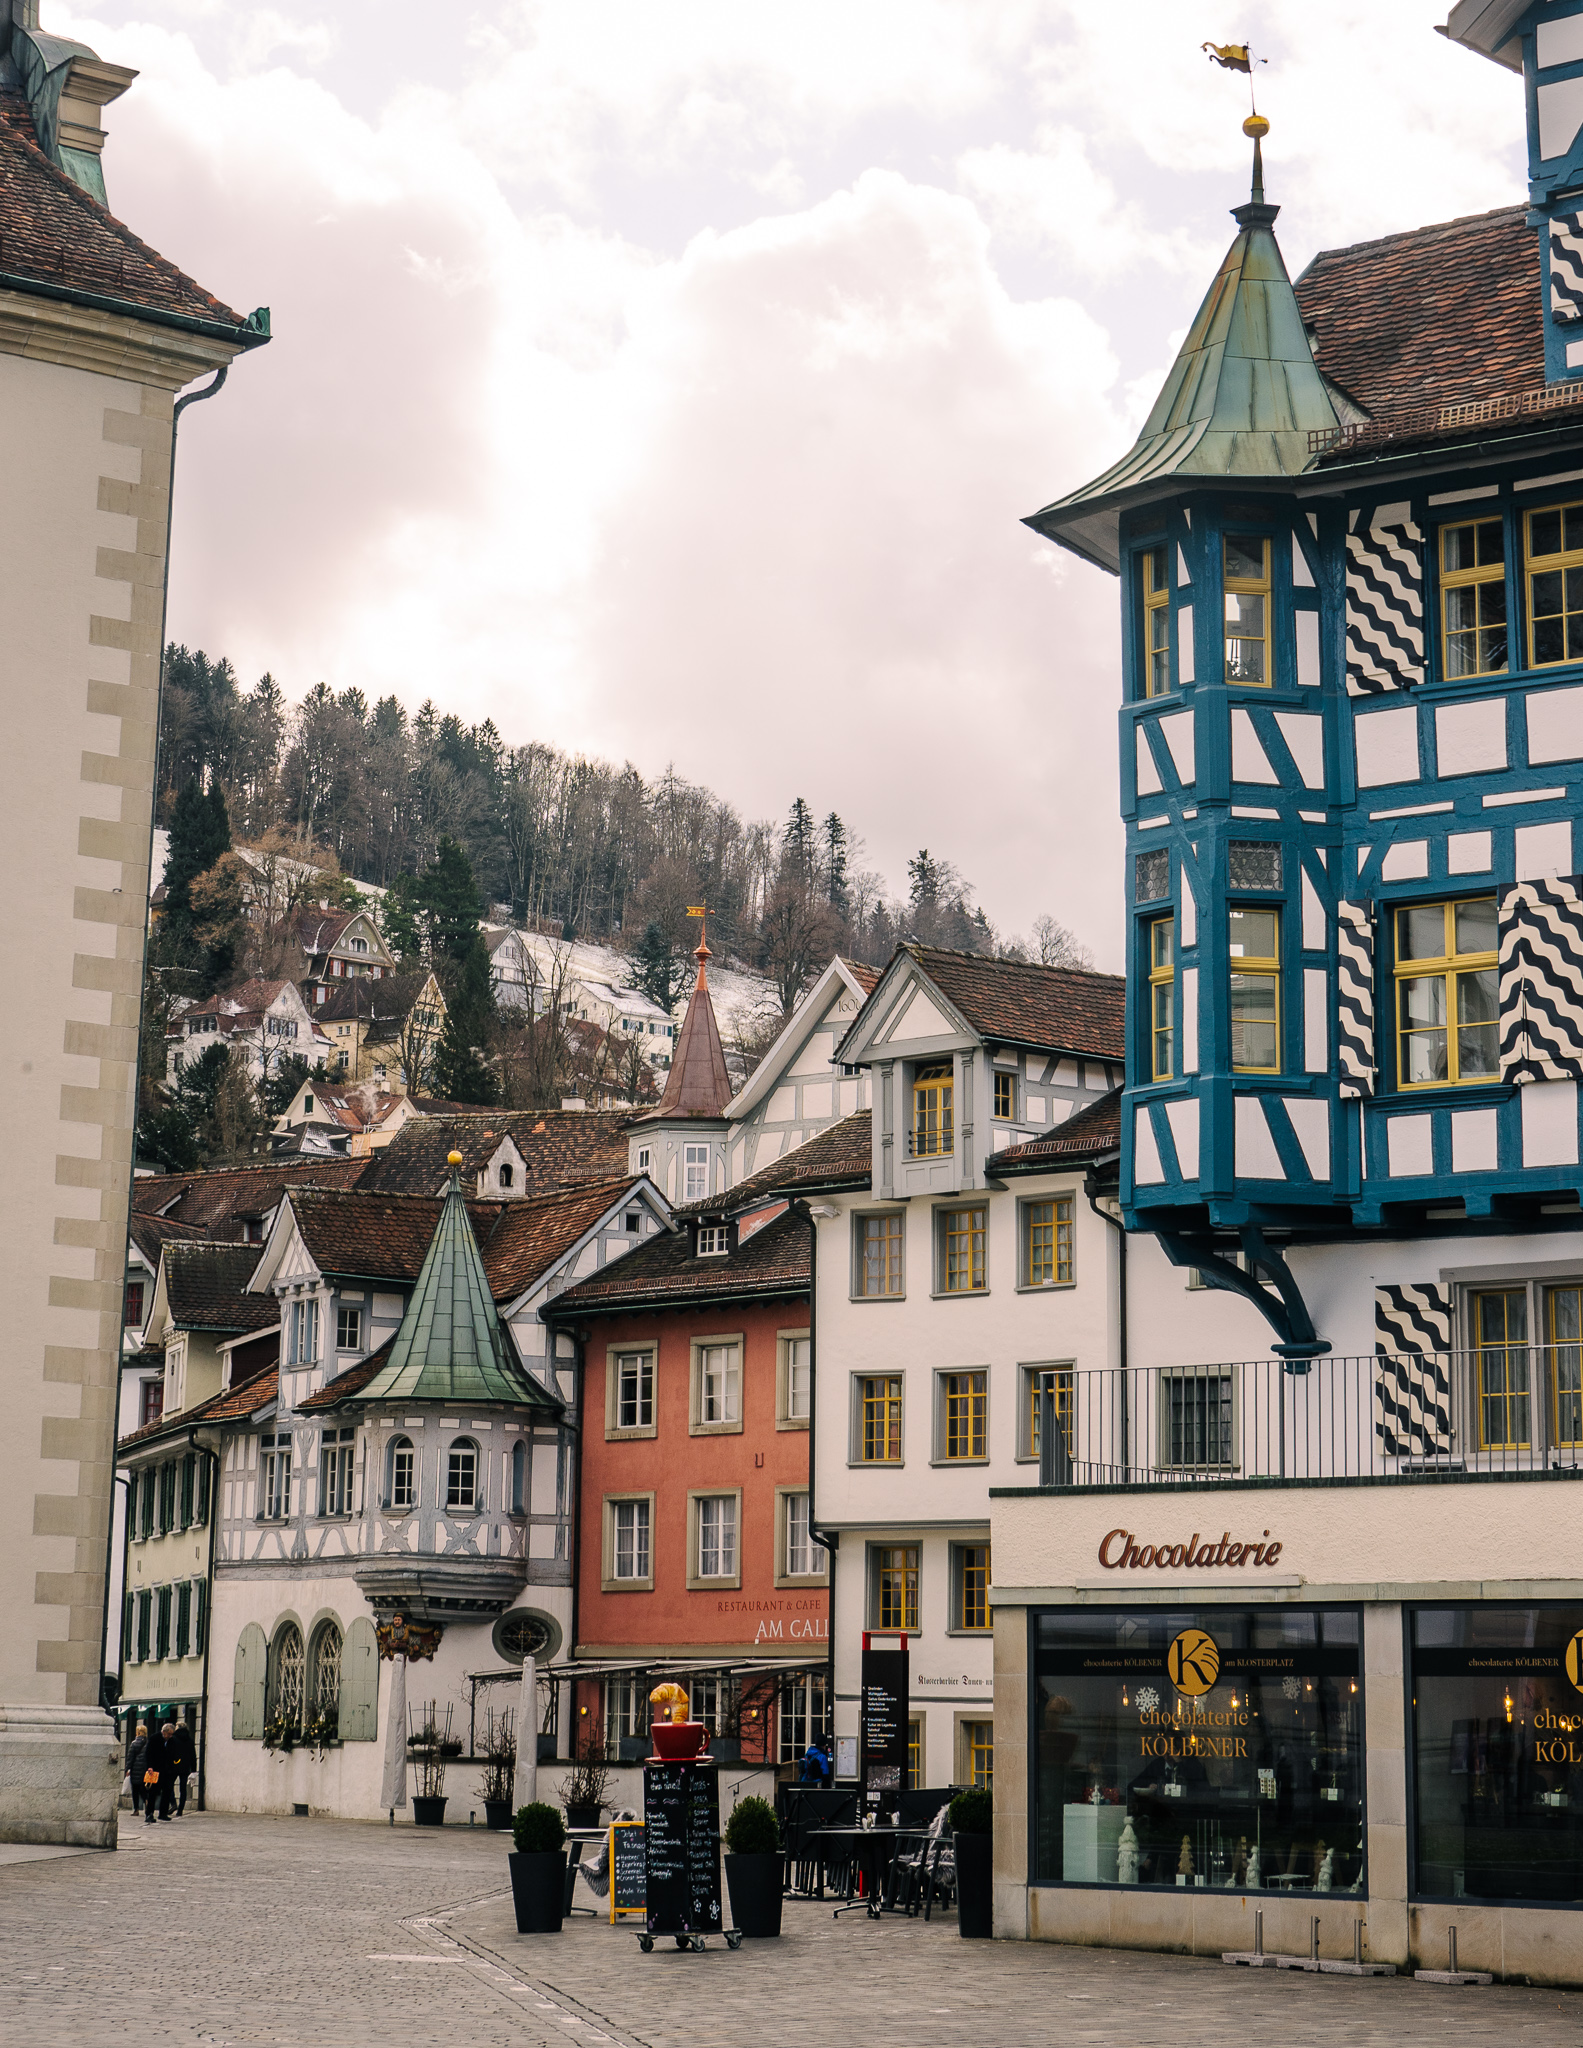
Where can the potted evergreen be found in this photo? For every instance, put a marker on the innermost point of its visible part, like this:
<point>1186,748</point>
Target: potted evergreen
<point>500,1770</point>
<point>972,1819</point>
<point>755,1870</point>
<point>538,1869</point>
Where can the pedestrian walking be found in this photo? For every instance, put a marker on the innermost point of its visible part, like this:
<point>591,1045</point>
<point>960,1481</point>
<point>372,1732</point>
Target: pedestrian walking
<point>816,1763</point>
<point>134,1765</point>
<point>156,1777</point>
<point>183,1761</point>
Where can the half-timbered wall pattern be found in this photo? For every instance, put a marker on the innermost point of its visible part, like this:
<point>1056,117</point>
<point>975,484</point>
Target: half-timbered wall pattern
<point>1566,266</point>
<point>1385,607</point>
<point>1540,928</point>
<point>1412,1385</point>
<point>1355,998</point>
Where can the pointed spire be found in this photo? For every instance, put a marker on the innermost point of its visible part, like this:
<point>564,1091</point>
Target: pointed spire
<point>699,1082</point>
<point>450,1346</point>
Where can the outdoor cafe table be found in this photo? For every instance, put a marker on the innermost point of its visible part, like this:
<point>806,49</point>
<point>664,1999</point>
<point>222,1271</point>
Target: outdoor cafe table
<point>867,1842</point>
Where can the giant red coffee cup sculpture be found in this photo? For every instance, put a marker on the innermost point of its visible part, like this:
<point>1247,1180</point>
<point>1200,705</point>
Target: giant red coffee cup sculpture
<point>676,1739</point>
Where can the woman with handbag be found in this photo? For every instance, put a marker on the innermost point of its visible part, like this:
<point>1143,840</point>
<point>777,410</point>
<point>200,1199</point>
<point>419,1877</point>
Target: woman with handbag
<point>135,1765</point>
<point>156,1777</point>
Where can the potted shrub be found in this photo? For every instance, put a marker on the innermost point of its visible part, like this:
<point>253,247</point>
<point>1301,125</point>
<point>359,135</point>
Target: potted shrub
<point>584,1787</point>
<point>755,1870</point>
<point>538,1869</point>
<point>426,1746</point>
<point>972,1823</point>
<point>500,1769</point>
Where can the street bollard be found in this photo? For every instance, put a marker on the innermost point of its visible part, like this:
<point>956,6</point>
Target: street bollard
<point>1313,1939</point>
<point>1357,1941</point>
<point>1258,1931</point>
<point>1453,1951</point>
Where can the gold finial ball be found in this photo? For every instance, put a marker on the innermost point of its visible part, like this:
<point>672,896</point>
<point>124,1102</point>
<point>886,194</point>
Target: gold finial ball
<point>1256,126</point>
<point>453,1159</point>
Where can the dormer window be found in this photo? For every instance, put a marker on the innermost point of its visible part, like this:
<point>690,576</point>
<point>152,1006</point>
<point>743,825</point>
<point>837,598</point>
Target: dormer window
<point>359,945</point>
<point>713,1240</point>
<point>933,1121</point>
<point>506,1174</point>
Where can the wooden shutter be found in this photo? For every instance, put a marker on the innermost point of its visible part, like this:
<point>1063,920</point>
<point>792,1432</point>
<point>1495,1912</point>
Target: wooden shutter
<point>359,1716</point>
<point>1355,998</point>
<point>247,1697</point>
<point>1540,933</point>
<point>1412,1385</point>
<point>1385,608</point>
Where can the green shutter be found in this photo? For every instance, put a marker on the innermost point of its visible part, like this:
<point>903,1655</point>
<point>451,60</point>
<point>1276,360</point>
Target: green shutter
<point>200,1615</point>
<point>145,1610</point>
<point>128,1639</point>
<point>162,1624</point>
<point>202,1514</point>
<point>189,1473</point>
<point>183,1618</point>
<point>359,1715</point>
<point>247,1696</point>
<point>147,1503</point>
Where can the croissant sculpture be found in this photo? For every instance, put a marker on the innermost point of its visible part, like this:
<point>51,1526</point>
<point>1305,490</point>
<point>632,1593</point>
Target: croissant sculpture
<point>669,1702</point>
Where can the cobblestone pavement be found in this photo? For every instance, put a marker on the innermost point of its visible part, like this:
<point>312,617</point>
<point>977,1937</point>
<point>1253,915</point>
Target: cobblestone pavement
<point>212,1931</point>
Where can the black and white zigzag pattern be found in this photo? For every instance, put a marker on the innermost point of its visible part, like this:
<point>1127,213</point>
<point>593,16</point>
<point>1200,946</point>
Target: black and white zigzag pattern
<point>1566,267</point>
<point>1355,998</point>
<point>1541,981</point>
<point>1385,609</point>
<point>1412,1384</point>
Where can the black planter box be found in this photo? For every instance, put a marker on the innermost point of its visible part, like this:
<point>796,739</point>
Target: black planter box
<point>497,1814</point>
<point>757,1886</point>
<point>538,1886</point>
<point>582,1816</point>
<point>975,1895</point>
<point>427,1813</point>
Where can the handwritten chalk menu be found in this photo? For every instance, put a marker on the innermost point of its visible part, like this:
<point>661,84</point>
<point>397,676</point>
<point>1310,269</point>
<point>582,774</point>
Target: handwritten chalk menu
<point>681,1812</point>
<point>883,1725</point>
<point>628,1868</point>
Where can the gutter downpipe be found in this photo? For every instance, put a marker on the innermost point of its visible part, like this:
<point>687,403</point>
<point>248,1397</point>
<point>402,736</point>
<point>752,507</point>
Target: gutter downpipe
<point>208,1618</point>
<point>192,398</point>
<point>1116,1224</point>
<point>828,1544</point>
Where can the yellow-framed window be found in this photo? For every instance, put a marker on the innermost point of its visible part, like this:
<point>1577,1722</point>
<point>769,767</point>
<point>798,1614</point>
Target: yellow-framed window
<point>1005,1098</point>
<point>963,1234</point>
<point>896,1587</point>
<point>880,1255</point>
<point>972,1586</point>
<point>1059,1381</point>
<point>978,1754</point>
<point>1245,567</point>
<point>915,1754</point>
<point>1047,1257</point>
<point>1156,623</point>
<point>1500,1364</point>
<point>1447,994</point>
<point>1162,998</point>
<point>1555,584</point>
<point>966,1399</point>
<point>1255,992</point>
<point>933,1120</point>
<point>1564,1311</point>
<point>1473,598</point>
<point>880,1399</point>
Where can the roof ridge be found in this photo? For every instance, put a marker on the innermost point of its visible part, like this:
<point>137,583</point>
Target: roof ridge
<point>916,947</point>
<point>1433,227</point>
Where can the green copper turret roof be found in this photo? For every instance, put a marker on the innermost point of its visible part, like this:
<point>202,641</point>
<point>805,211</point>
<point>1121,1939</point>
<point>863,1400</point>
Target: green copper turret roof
<point>451,1346</point>
<point>1242,398</point>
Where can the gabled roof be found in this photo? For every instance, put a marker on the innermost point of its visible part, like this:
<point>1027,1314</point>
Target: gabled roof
<point>361,1107</point>
<point>246,1002</point>
<point>840,1156</point>
<point>1092,1134</point>
<point>810,1010</point>
<point>151,1233</point>
<point>221,1199</point>
<point>559,1148</point>
<point>346,1385</point>
<point>452,1345</point>
<point>204,1286</point>
<point>234,1405</point>
<point>664,1273</point>
<point>698,1084</point>
<point>52,232</point>
<point>1014,1002</point>
<point>529,1236</point>
<point>384,1000</point>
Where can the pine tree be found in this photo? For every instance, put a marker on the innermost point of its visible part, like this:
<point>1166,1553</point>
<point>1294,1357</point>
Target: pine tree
<point>461,1069</point>
<point>659,969</point>
<point>451,900</point>
<point>836,848</point>
<point>200,831</point>
<point>797,845</point>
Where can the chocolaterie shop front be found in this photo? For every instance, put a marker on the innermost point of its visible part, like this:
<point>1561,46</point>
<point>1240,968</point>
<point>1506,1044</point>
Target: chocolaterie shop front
<point>1216,1705</point>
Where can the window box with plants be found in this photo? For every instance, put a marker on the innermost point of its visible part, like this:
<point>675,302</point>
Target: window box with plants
<point>972,1819</point>
<point>538,1869</point>
<point>755,1867</point>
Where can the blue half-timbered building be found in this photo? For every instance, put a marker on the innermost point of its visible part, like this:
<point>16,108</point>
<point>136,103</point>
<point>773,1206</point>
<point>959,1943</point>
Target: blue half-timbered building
<point>1299,1619</point>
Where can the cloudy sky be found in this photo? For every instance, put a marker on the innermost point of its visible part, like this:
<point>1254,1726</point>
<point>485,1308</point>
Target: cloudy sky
<point>667,378</point>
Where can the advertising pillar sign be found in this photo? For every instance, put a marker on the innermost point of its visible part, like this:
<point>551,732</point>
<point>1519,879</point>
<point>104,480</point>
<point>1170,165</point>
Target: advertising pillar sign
<point>884,1725</point>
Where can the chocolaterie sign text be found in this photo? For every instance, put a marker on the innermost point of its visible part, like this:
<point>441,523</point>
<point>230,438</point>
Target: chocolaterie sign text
<point>1121,1551</point>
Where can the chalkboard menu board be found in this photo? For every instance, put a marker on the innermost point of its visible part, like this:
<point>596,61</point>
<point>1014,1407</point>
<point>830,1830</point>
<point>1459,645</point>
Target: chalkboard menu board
<point>884,1725</point>
<point>628,1868</point>
<point>681,1813</point>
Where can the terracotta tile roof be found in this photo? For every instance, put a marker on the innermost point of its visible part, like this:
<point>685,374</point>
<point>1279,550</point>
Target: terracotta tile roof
<point>383,1001</point>
<point>52,231</point>
<point>1441,315</point>
<point>867,978</point>
<point>560,1148</point>
<point>248,999</point>
<point>349,1383</point>
<point>1054,1009</point>
<point>530,1235</point>
<point>318,930</point>
<point>841,1155</point>
<point>699,1083</point>
<point>204,1283</point>
<point>220,1200</point>
<point>663,1273</point>
<point>150,1233</point>
<point>232,1406</point>
<point>358,1108</point>
<point>1089,1135</point>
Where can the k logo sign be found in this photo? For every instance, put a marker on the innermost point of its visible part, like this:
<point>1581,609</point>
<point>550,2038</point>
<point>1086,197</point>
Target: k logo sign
<point>1572,1660</point>
<point>1193,1663</point>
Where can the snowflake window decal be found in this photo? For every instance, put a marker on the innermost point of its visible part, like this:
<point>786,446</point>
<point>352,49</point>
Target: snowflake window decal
<point>1290,1687</point>
<point>1148,1699</point>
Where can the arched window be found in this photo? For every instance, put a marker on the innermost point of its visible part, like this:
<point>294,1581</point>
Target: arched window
<point>324,1683</point>
<point>287,1683</point>
<point>461,1477</point>
<point>507,1174</point>
<point>401,1476</point>
<point>519,1478</point>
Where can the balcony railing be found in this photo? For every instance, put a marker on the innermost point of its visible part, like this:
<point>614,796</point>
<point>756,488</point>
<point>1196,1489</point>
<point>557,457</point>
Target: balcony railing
<point>1510,1409</point>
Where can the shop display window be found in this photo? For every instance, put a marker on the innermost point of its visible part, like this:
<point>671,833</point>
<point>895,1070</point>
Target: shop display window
<point>1212,1747</point>
<point>1498,1753</point>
